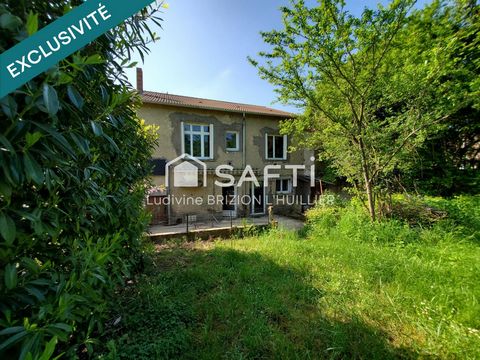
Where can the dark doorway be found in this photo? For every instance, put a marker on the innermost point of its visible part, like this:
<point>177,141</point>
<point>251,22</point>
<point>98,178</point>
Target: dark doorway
<point>258,199</point>
<point>228,196</point>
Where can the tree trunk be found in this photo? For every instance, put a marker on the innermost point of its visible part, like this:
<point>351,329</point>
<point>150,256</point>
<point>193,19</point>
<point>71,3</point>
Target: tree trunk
<point>368,181</point>
<point>370,197</point>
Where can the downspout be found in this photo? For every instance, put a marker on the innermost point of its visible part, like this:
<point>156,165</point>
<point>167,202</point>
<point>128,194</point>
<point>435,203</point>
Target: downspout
<point>244,152</point>
<point>244,141</point>
<point>169,210</point>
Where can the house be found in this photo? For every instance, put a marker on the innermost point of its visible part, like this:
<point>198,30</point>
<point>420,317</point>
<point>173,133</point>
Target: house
<point>197,136</point>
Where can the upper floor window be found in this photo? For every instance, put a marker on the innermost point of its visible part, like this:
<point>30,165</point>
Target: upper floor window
<point>232,141</point>
<point>197,140</point>
<point>276,147</point>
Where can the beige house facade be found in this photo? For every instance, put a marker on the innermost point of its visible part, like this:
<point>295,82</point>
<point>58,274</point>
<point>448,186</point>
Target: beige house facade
<point>203,143</point>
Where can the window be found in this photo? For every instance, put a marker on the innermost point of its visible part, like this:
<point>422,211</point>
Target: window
<point>197,140</point>
<point>276,147</point>
<point>282,186</point>
<point>231,139</point>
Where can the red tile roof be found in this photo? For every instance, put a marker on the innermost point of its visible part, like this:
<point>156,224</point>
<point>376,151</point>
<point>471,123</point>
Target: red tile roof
<point>192,102</point>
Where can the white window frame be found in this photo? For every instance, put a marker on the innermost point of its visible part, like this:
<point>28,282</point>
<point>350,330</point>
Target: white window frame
<point>202,133</point>
<point>282,191</point>
<point>285,145</point>
<point>237,134</point>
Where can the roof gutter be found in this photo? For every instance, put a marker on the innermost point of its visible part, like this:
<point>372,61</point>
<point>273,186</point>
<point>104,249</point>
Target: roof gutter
<point>286,116</point>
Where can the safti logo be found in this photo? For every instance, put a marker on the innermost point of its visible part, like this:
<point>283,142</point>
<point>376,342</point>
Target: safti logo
<point>186,170</point>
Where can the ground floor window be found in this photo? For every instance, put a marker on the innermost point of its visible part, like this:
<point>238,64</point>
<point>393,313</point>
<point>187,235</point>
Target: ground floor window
<point>283,186</point>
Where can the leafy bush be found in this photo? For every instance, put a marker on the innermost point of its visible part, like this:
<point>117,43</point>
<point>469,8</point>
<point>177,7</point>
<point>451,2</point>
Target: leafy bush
<point>415,210</point>
<point>463,211</point>
<point>413,219</point>
<point>73,162</point>
<point>326,212</point>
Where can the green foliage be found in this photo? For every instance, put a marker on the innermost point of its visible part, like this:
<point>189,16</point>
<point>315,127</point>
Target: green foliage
<point>463,212</point>
<point>448,162</point>
<point>407,219</point>
<point>348,289</point>
<point>414,210</point>
<point>73,162</point>
<point>375,87</point>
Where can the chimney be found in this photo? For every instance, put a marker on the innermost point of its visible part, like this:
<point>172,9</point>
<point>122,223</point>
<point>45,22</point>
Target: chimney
<point>140,80</point>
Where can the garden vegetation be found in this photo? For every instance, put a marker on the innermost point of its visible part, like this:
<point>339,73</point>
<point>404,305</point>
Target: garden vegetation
<point>391,105</point>
<point>389,98</point>
<point>343,288</point>
<point>73,162</point>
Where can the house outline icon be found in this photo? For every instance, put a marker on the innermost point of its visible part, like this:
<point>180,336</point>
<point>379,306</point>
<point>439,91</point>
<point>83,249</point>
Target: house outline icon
<point>188,173</point>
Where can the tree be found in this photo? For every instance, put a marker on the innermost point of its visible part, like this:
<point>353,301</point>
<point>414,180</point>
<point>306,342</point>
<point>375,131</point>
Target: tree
<point>74,158</point>
<point>449,161</point>
<point>366,107</point>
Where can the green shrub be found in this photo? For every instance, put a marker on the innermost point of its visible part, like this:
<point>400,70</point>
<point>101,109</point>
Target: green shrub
<point>326,212</point>
<point>464,213</point>
<point>417,219</point>
<point>73,162</point>
<point>415,210</point>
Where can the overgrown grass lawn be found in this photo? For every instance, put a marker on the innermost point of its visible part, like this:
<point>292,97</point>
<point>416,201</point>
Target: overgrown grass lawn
<point>283,295</point>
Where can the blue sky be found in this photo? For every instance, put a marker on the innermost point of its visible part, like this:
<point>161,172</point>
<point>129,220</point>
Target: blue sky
<point>204,47</point>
